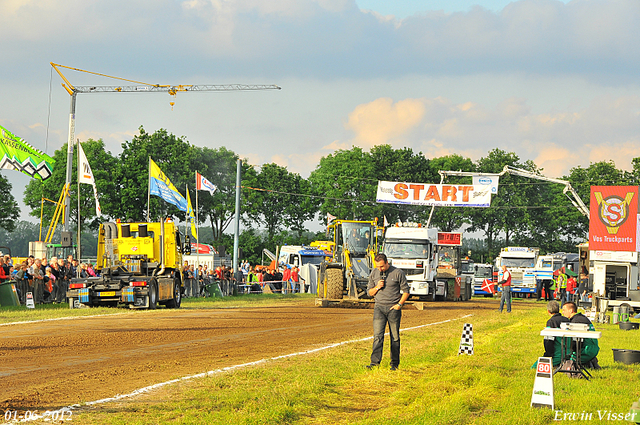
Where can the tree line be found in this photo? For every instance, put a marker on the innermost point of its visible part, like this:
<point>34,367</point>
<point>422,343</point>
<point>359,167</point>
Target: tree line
<point>276,203</point>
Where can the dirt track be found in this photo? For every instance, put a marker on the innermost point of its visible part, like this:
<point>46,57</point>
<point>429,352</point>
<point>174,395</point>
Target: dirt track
<point>52,364</point>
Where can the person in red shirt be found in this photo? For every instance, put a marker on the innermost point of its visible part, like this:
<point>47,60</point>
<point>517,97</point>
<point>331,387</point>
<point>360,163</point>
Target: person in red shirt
<point>505,283</point>
<point>3,275</point>
<point>286,276</point>
<point>571,288</point>
<point>295,279</point>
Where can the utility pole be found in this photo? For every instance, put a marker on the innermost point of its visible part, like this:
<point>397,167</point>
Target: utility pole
<point>236,234</point>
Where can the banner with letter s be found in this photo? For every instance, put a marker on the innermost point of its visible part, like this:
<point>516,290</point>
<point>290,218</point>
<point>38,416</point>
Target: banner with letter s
<point>441,195</point>
<point>613,222</point>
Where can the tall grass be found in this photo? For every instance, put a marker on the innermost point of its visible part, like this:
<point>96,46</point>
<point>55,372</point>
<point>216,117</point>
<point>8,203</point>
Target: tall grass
<point>433,386</point>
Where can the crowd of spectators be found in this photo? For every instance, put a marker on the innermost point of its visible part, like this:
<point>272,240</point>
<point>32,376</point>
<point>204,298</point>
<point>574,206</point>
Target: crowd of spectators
<point>46,279</point>
<point>251,279</point>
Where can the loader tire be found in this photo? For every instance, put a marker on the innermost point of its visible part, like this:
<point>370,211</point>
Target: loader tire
<point>335,284</point>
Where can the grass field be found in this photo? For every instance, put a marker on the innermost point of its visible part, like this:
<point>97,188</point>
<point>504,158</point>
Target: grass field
<point>433,386</point>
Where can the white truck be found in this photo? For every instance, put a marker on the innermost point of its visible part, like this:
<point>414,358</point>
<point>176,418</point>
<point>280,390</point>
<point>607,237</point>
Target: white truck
<point>520,262</point>
<point>412,249</point>
<point>430,260</point>
<point>483,272</point>
<point>306,258</point>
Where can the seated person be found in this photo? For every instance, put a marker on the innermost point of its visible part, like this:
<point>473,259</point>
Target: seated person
<point>553,345</point>
<point>446,258</point>
<point>590,346</point>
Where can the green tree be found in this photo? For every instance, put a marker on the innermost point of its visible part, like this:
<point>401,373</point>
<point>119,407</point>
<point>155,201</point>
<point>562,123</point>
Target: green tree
<point>449,219</point>
<point>507,212</point>
<point>400,165</point>
<point>347,180</point>
<point>219,167</point>
<point>103,166</point>
<point>9,210</point>
<point>174,157</point>
<point>283,201</point>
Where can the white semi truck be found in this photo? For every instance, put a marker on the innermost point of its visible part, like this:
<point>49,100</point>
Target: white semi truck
<point>430,260</point>
<point>412,249</point>
<point>520,262</point>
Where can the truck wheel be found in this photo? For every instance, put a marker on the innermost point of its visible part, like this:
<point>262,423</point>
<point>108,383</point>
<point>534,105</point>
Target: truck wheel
<point>334,284</point>
<point>433,293</point>
<point>153,296</point>
<point>177,297</point>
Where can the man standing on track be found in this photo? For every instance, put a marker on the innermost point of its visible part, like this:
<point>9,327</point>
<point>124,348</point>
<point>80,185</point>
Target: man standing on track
<point>389,287</point>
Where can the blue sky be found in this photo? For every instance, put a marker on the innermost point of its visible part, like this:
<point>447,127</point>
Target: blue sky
<point>554,81</point>
<point>405,8</point>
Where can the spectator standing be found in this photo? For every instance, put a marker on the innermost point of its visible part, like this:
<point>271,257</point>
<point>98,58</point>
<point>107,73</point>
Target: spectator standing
<point>571,289</point>
<point>38,282</point>
<point>505,283</point>
<point>295,279</point>
<point>49,285</point>
<point>286,278</point>
<point>3,271</point>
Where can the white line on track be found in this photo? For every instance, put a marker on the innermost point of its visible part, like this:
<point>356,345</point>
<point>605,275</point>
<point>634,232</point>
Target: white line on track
<point>217,371</point>
<point>60,318</point>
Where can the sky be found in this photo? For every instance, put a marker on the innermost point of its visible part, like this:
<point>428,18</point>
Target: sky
<point>553,81</point>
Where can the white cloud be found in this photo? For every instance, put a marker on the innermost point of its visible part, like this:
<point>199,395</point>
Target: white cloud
<point>325,38</point>
<point>382,121</point>
<point>557,141</point>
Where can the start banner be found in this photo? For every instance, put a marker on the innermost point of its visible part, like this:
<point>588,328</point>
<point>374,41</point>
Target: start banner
<point>613,220</point>
<point>441,195</point>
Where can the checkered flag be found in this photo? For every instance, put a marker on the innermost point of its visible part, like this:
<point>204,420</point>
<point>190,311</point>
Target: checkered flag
<point>466,341</point>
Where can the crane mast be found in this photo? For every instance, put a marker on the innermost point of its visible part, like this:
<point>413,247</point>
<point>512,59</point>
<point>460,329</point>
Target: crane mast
<point>141,87</point>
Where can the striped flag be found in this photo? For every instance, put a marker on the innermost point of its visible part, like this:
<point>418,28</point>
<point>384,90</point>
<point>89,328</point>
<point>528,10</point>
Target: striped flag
<point>204,184</point>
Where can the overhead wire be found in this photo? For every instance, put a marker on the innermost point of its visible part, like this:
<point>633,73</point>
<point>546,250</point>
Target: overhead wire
<point>505,207</point>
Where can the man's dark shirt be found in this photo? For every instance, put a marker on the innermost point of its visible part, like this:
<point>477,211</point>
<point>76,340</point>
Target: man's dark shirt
<point>550,343</point>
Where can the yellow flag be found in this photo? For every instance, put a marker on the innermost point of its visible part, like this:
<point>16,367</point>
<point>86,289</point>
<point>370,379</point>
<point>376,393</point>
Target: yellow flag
<point>160,185</point>
<point>192,217</point>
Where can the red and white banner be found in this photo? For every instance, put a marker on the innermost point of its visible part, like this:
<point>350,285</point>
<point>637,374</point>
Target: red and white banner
<point>442,195</point>
<point>614,218</point>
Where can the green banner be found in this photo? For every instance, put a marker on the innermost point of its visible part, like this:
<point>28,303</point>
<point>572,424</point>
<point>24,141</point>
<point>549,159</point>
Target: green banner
<point>20,156</point>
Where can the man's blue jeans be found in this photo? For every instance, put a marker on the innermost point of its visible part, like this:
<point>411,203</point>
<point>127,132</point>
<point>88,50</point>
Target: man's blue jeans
<point>381,316</point>
<point>506,296</point>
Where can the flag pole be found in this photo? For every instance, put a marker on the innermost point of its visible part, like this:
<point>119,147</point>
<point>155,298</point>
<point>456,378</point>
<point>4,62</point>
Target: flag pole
<point>197,230</point>
<point>79,165</point>
<point>186,223</point>
<point>149,191</point>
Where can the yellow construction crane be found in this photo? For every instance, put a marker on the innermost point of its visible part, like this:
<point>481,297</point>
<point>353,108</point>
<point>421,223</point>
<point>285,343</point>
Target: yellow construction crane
<point>140,88</point>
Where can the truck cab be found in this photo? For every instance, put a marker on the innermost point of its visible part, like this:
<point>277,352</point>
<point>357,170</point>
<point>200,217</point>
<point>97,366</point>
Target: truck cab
<point>412,249</point>
<point>481,273</point>
<point>520,262</point>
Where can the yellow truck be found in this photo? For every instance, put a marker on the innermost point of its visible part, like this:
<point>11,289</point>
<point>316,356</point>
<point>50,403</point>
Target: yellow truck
<point>139,266</point>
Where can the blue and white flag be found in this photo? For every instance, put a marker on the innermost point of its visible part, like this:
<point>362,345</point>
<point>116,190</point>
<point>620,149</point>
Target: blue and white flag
<point>160,185</point>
